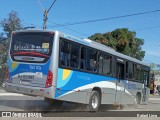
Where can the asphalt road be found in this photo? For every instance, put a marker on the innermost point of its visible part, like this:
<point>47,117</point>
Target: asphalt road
<point>21,104</point>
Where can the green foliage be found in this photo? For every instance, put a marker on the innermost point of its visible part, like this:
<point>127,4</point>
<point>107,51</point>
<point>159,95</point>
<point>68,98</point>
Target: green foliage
<point>98,37</point>
<point>2,74</point>
<point>153,66</point>
<point>123,41</point>
<point>9,24</point>
<point>3,59</point>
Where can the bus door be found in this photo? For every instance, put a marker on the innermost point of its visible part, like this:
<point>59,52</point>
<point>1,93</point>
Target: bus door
<point>146,89</point>
<point>119,96</point>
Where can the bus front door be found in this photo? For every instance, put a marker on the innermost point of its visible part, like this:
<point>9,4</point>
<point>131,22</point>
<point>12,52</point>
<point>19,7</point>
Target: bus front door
<point>146,88</point>
<point>119,93</point>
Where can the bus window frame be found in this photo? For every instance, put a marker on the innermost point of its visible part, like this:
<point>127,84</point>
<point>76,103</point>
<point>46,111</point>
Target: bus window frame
<point>30,33</point>
<point>112,65</point>
<point>87,47</point>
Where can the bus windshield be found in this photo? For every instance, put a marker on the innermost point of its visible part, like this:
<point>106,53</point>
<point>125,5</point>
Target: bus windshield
<point>31,46</point>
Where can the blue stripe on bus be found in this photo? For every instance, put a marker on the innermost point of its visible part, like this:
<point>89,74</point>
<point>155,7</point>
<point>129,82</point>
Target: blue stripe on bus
<point>69,80</point>
<point>16,68</point>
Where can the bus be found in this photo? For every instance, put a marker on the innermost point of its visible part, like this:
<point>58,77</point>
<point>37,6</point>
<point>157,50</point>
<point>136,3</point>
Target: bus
<point>61,67</point>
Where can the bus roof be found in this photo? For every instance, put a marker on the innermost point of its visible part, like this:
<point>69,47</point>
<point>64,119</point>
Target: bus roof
<point>90,43</point>
<point>104,48</point>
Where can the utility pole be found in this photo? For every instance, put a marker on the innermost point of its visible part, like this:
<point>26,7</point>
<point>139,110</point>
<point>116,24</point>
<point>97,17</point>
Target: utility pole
<point>45,13</point>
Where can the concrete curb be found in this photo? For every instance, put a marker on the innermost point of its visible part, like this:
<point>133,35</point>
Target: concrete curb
<point>11,94</point>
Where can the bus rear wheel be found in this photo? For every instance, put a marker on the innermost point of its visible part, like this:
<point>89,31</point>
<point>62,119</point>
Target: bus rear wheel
<point>94,101</point>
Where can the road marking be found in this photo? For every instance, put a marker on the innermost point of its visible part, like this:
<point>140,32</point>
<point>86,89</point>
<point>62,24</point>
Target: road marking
<point>11,94</point>
<point>154,98</point>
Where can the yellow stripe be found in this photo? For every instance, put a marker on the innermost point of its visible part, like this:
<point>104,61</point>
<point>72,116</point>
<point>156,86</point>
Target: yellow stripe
<point>66,74</point>
<point>14,65</point>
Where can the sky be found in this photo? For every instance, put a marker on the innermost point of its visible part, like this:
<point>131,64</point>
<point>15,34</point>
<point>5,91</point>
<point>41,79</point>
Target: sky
<point>146,26</point>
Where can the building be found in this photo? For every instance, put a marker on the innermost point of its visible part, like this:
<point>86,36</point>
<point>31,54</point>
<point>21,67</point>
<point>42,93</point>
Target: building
<point>157,79</point>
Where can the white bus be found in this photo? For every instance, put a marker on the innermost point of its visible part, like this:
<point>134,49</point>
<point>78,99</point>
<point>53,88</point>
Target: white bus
<point>61,67</point>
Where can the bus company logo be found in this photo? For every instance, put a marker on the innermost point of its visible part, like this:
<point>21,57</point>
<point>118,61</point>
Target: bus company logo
<point>6,114</point>
<point>21,114</point>
<point>32,67</point>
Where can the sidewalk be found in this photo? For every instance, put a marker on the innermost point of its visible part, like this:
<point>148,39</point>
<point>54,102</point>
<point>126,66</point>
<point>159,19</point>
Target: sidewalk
<point>2,90</point>
<point>154,95</point>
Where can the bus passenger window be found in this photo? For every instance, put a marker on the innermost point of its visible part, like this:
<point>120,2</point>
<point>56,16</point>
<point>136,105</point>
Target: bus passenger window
<point>65,54</point>
<point>138,73</point>
<point>130,70</point>
<point>146,78</point>
<point>106,65</point>
<point>127,75</point>
<point>91,60</point>
<point>74,63</point>
<point>100,63</point>
<point>82,60</point>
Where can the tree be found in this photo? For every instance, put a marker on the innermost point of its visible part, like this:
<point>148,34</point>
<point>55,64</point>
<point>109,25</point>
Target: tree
<point>13,22</point>
<point>123,41</point>
<point>153,66</point>
<point>9,24</point>
<point>2,38</point>
<point>98,37</point>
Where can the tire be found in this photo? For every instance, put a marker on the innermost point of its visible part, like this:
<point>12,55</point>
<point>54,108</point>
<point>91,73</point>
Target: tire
<point>94,101</point>
<point>136,101</point>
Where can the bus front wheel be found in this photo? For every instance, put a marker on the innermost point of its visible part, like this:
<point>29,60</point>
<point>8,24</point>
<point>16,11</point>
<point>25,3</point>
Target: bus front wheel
<point>136,101</point>
<point>94,101</point>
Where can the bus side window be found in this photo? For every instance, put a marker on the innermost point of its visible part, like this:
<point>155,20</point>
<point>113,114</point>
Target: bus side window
<point>138,73</point>
<point>82,60</point>
<point>127,75</point>
<point>100,63</point>
<point>107,64</point>
<point>62,58</point>
<point>65,54</point>
<point>74,62</point>
<point>91,60</point>
<point>146,78</point>
<point>82,64</point>
<point>130,70</point>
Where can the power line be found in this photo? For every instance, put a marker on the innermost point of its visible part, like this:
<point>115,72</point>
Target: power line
<point>40,5</point>
<point>23,23</point>
<point>105,19</point>
<point>30,24</point>
<point>55,24</point>
<point>69,29</point>
<point>51,5</point>
<point>152,55</point>
<point>146,28</point>
<point>59,24</point>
